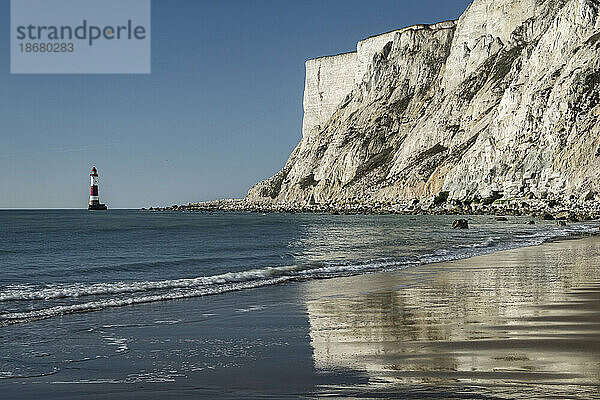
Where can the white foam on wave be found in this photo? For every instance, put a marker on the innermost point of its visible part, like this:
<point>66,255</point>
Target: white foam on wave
<point>10,318</point>
<point>59,291</point>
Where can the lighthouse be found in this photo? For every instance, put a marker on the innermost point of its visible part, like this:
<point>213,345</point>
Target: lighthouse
<point>94,199</point>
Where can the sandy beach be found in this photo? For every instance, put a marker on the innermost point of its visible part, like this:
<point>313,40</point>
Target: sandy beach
<point>521,323</point>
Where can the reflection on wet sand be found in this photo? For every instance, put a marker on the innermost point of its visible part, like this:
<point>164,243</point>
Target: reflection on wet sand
<point>520,320</point>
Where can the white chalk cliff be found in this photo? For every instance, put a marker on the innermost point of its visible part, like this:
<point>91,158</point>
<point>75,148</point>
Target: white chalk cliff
<point>503,102</point>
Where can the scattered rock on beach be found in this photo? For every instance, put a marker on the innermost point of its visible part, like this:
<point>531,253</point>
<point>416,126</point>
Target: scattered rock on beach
<point>567,216</point>
<point>501,219</point>
<point>460,224</point>
<point>547,216</point>
<point>561,223</point>
<point>532,222</point>
<point>562,216</point>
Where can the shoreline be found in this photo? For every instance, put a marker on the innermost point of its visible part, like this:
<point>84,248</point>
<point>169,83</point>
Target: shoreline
<point>518,323</point>
<point>554,235</point>
<point>549,211</point>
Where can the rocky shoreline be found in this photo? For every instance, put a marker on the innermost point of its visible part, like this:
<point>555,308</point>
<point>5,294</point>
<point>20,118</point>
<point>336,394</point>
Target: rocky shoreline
<point>545,210</point>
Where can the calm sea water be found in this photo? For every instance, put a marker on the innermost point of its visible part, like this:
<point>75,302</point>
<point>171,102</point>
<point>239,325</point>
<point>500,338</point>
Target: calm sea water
<point>60,262</point>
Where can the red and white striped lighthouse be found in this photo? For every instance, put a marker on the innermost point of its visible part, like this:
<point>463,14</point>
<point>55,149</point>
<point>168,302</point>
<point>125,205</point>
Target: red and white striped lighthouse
<point>94,198</point>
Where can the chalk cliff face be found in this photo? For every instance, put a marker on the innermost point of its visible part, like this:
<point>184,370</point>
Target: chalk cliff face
<point>501,103</point>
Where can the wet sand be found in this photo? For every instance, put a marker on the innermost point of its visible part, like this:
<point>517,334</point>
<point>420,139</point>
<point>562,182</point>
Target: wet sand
<point>522,323</point>
<point>517,324</point>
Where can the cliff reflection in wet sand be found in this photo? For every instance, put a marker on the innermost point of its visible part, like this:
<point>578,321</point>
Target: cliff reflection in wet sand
<point>514,322</point>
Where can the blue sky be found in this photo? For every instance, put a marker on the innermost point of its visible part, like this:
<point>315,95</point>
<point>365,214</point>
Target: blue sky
<point>221,110</point>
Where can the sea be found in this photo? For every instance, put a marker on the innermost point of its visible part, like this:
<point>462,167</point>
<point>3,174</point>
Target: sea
<point>59,262</point>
